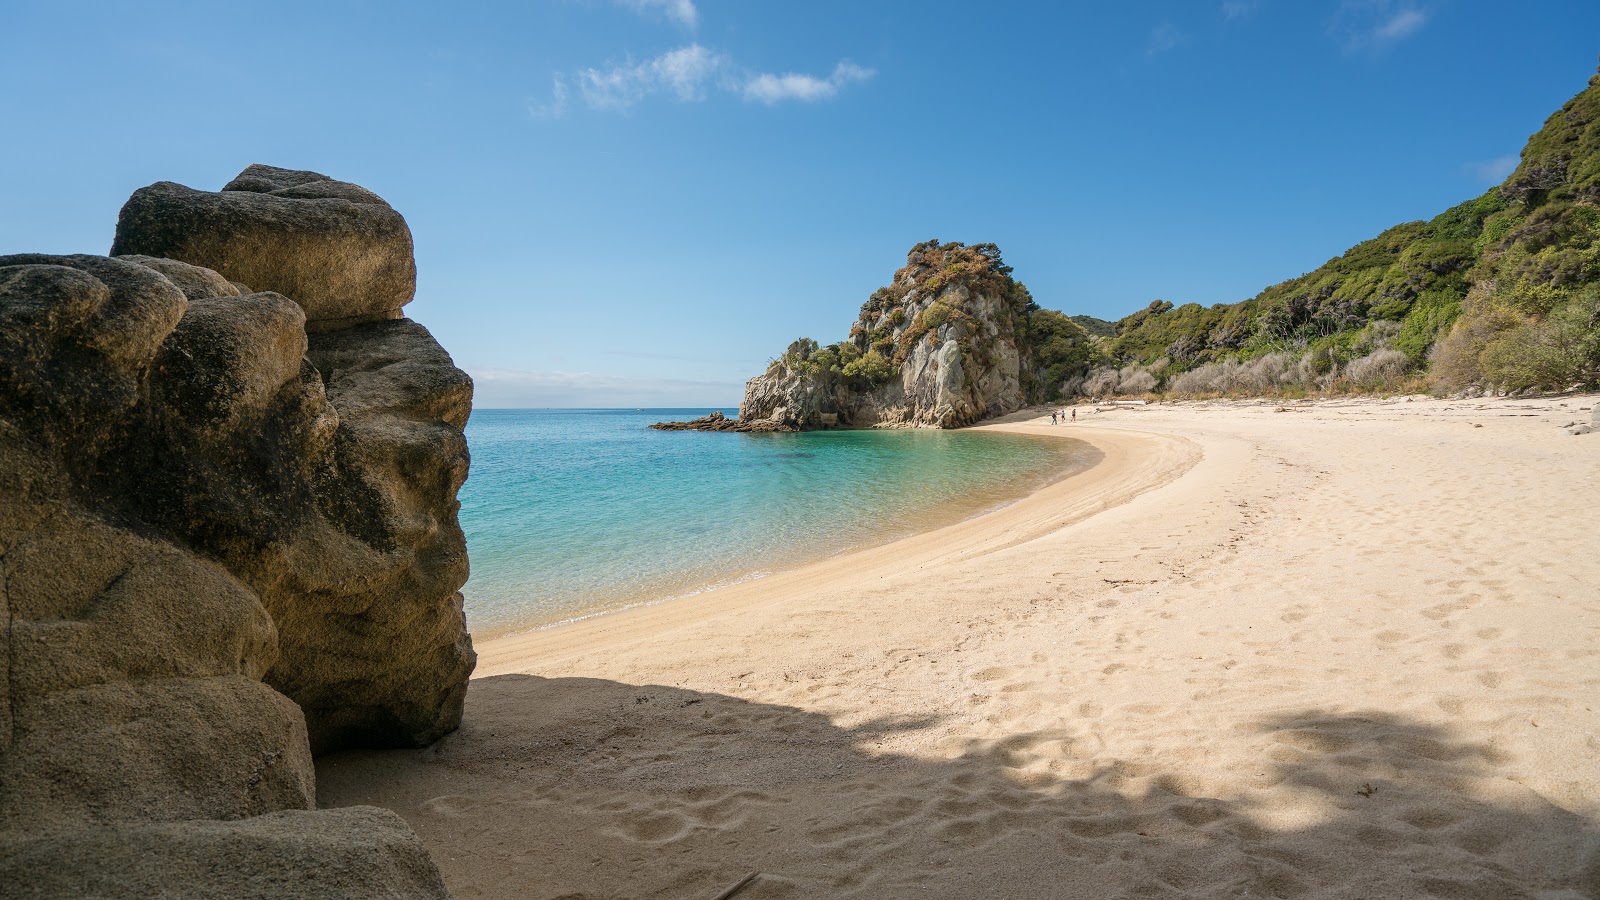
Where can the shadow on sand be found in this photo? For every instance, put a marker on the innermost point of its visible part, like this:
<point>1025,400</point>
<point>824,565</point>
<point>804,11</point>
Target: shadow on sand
<point>575,787</point>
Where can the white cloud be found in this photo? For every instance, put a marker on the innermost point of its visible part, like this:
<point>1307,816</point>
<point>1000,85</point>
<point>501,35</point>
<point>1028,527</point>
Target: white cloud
<point>495,388</point>
<point>1494,170</point>
<point>683,73</point>
<point>769,89</point>
<point>681,11</point>
<point>1164,37</point>
<point>1377,24</point>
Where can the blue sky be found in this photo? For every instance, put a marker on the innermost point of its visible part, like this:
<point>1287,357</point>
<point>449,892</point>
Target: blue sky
<point>639,202</point>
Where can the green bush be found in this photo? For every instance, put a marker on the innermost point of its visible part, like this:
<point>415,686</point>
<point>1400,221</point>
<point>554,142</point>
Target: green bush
<point>870,367</point>
<point>1558,351</point>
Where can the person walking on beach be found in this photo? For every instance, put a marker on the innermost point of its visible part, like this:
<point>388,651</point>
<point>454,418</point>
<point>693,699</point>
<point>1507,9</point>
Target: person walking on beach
<point>1052,417</point>
<point>1074,415</point>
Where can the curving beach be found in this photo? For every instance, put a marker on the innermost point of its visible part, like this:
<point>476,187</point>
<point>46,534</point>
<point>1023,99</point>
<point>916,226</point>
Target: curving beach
<point>1343,649</point>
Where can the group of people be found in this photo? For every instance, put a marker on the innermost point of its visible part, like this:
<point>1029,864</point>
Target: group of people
<point>1062,416</point>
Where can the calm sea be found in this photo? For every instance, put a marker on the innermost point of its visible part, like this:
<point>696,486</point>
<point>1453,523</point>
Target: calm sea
<point>573,512</point>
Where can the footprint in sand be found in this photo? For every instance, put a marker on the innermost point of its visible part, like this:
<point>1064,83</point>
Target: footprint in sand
<point>450,806</point>
<point>1491,679</point>
<point>654,828</point>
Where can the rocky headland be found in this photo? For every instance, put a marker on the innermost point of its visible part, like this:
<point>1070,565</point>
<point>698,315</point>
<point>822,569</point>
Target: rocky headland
<point>952,340</point>
<point>228,541</point>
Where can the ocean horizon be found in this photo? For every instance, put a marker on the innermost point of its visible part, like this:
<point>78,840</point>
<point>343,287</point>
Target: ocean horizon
<point>573,512</point>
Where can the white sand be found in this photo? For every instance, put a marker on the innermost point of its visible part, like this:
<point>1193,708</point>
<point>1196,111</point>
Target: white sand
<point>1347,650</point>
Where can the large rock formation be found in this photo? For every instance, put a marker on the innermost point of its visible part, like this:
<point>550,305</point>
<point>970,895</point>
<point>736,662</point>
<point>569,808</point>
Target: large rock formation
<point>224,545</point>
<point>952,340</point>
<point>335,248</point>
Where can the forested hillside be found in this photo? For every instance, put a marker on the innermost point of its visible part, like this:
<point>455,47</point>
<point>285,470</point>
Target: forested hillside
<point>1502,291</point>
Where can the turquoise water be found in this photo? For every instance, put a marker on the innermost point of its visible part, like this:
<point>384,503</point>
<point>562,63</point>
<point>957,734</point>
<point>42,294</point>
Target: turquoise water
<point>574,512</point>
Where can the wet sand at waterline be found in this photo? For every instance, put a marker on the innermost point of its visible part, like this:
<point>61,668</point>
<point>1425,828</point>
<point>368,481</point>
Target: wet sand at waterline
<point>1350,649</point>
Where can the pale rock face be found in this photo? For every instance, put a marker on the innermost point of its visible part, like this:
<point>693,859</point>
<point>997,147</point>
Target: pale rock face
<point>969,367</point>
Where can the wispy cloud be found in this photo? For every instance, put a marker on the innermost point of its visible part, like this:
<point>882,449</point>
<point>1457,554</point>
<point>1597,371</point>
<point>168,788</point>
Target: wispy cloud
<point>681,11</point>
<point>1401,24</point>
<point>556,106</point>
<point>1492,171</point>
<point>769,89</point>
<point>680,73</point>
<point>1163,37</point>
<point>1239,9</point>
<point>1377,24</point>
<point>685,75</point>
<point>521,389</point>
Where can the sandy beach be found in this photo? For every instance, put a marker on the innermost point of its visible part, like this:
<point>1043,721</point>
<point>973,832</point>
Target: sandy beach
<point>1341,649</point>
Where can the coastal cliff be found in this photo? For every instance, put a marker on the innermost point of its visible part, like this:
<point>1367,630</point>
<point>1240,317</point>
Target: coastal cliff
<point>953,339</point>
<point>228,541</point>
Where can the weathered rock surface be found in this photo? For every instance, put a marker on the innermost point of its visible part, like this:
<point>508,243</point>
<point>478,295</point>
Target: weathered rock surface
<point>356,851</point>
<point>224,544</point>
<point>195,282</point>
<point>954,339</point>
<point>335,248</point>
<point>132,667</point>
<point>376,647</point>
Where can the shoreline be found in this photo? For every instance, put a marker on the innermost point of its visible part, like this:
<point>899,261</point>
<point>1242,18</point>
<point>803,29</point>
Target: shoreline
<point>503,651</point>
<point>1254,644</point>
<point>953,511</point>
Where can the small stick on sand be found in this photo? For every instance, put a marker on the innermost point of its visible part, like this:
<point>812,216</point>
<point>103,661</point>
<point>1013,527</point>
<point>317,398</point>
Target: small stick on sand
<point>735,888</point>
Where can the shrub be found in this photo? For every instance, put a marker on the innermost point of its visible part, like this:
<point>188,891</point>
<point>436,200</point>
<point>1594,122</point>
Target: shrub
<point>1558,351</point>
<point>871,367</point>
<point>937,314</point>
<point>1455,357</point>
<point>1378,369</point>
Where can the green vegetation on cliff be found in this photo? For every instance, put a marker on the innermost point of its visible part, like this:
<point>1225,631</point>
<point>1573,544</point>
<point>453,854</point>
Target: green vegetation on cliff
<point>1499,291</point>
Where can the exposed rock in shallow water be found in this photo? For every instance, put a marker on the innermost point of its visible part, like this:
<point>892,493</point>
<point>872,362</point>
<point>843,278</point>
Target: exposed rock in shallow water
<point>223,545</point>
<point>335,248</point>
<point>719,422</point>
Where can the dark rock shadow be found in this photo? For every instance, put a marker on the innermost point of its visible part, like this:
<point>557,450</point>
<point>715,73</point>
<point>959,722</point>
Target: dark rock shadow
<point>585,788</point>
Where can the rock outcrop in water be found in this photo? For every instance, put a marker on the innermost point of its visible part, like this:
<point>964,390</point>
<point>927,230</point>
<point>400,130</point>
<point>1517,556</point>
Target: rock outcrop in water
<point>954,339</point>
<point>225,544</point>
<point>716,421</point>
